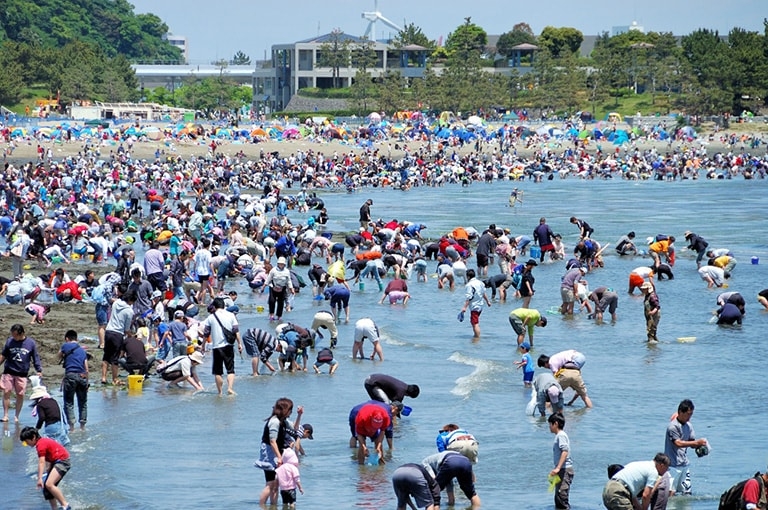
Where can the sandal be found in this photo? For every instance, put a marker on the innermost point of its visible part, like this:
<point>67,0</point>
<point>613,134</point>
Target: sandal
<point>118,383</point>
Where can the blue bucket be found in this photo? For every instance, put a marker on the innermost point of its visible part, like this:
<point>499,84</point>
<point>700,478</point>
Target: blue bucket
<point>755,261</point>
<point>535,252</point>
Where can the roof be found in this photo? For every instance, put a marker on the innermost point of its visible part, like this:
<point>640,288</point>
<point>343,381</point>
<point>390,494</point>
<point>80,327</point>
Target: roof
<point>525,46</point>
<point>414,47</point>
<point>331,37</point>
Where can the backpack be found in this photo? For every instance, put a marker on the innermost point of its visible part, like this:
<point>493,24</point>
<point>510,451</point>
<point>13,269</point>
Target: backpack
<point>169,375</point>
<point>731,499</point>
<point>99,295</point>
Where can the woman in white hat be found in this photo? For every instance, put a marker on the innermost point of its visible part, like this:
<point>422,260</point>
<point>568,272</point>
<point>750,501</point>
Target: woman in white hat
<point>48,413</point>
<point>279,283</point>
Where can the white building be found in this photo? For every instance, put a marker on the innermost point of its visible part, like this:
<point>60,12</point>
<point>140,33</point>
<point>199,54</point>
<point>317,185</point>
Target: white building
<point>180,42</point>
<point>623,29</point>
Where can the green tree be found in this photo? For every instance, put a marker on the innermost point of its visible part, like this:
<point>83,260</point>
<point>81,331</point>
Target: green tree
<point>713,68</point>
<point>561,41</point>
<point>363,55</point>
<point>390,92</point>
<point>335,54</point>
<point>412,34</point>
<point>520,34</point>
<point>240,59</point>
<point>11,83</point>
<point>468,41</point>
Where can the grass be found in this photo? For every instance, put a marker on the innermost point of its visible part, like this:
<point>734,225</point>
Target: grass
<point>29,96</point>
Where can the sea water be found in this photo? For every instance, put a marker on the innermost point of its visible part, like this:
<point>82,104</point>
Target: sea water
<point>167,448</point>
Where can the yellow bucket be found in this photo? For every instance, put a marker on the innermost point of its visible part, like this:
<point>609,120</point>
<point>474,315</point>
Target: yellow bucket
<point>135,382</point>
<point>260,309</point>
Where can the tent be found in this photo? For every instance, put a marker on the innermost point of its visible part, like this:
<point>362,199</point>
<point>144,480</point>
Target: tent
<point>374,118</point>
<point>613,117</point>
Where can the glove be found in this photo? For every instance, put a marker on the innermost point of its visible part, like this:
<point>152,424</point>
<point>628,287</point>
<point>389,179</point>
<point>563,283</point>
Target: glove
<point>461,316</point>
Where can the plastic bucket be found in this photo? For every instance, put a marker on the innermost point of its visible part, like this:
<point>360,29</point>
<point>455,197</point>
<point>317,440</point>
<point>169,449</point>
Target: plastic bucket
<point>361,285</point>
<point>535,252</point>
<point>135,382</point>
<point>755,261</point>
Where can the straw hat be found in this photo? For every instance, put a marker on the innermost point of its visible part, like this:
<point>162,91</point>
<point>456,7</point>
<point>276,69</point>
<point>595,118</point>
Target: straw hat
<point>39,392</point>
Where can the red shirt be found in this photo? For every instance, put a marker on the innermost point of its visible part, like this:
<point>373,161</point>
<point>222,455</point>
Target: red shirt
<point>751,492</point>
<point>371,420</point>
<point>51,450</point>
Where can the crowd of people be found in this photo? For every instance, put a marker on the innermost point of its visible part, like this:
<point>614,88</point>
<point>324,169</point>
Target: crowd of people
<point>147,312</point>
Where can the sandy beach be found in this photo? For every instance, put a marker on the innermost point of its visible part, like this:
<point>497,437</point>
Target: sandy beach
<point>27,149</point>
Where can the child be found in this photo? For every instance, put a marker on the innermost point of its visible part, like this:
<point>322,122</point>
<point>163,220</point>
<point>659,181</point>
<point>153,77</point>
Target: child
<point>54,460</point>
<point>38,312</point>
<point>142,331</point>
<point>559,253</point>
<point>325,357</point>
<point>563,469</point>
<point>288,478</point>
<point>526,363</point>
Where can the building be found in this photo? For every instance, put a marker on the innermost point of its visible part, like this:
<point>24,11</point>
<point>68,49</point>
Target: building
<point>623,29</point>
<point>180,42</point>
<point>174,76</point>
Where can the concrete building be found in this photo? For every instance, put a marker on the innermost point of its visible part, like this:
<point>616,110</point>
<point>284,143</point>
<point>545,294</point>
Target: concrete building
<point>180,42</point>
<point>623,29</point>
<point>174,76</point>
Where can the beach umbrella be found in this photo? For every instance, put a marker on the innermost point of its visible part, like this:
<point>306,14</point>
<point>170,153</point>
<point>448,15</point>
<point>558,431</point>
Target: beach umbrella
<point>584,134</point>
<point>555,132</point>
<point>544,130</point>
<point>374,118</point>
<point>475,120</point>
<point>16,132</point>
<point>258,132</point>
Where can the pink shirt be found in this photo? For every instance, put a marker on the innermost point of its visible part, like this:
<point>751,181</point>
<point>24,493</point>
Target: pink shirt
<point>287,476</point>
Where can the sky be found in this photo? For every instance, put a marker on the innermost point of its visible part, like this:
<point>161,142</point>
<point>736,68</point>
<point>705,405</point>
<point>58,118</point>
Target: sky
<point>218,29</point>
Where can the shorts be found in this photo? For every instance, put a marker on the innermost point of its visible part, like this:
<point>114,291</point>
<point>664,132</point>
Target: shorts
<point>396,295</point>
<point>571,378</point>
<point>566,293</point>
<point>327,321</point>
<point>635,280</point>
<point>409,482</point>
<point>331,362</point>
<point>466,447</point>
<point>517,324</point>
<point>474,317</point>
<point>681,480</point>
<point>102,314</point>
<point>609,302</point>
<point>112,343</point>
<point>366,329</point>
<point>224,359</point>
<point>341,301</point>
<point>62,467</point>
<point>482,260</point>
<point>203,278</point>
<point>270,476</point>
<point>15,383</point>
<point>528,376</point>
<point>288,496</point>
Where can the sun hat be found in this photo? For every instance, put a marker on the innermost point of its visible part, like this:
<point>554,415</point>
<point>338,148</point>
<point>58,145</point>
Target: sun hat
<point>38,392</point>
<point>197,357</point>
<point>646,286</point>
<point>531,262</point>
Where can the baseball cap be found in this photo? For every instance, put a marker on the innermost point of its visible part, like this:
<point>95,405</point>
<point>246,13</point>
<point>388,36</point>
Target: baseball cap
<point>178,314</point>
<point>281,260</point>
<point>156,294</point>
<point>308,429</point>
<point>398,406</point>
<point>526,346</point>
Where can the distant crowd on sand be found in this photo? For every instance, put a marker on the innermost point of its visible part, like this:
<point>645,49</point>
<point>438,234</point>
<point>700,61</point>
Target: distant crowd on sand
<point>204,223</point>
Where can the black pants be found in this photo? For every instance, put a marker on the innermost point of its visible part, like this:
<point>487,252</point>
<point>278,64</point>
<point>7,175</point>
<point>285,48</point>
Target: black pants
<point>276,300</point>
<point>75,385</point>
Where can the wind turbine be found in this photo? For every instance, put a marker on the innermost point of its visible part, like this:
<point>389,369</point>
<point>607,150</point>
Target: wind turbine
<point>373,17</point>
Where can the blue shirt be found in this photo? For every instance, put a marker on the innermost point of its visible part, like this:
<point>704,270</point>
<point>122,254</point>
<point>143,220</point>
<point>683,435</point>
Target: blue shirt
<point>528,359</point>
<point>74,358</point>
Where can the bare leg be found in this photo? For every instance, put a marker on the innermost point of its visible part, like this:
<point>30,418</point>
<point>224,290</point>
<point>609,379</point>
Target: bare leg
<point>231,384</point>
<point>219,383</point>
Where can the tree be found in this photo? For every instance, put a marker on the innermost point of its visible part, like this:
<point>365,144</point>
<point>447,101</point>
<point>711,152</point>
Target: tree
<point>335,54</point>
<point>412,34</point>
<point>240,59</point>
<point>363,55</point>
<point>520,34</point>
<point>560,41</point>
<point>11,84</point>
<point>468,41</point>
<point>713,67</point>
<point>390,90</point>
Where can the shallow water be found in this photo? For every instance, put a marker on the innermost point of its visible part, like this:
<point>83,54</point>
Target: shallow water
<point>168,449</point>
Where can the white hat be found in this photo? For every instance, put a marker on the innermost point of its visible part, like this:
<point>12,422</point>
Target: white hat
<point>197,357</point>
<point>156,294</point>
<point>281,260</point>
<point>39,392</point>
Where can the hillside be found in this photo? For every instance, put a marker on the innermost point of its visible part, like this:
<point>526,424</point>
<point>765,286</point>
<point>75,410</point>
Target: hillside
<point>109,24</point>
